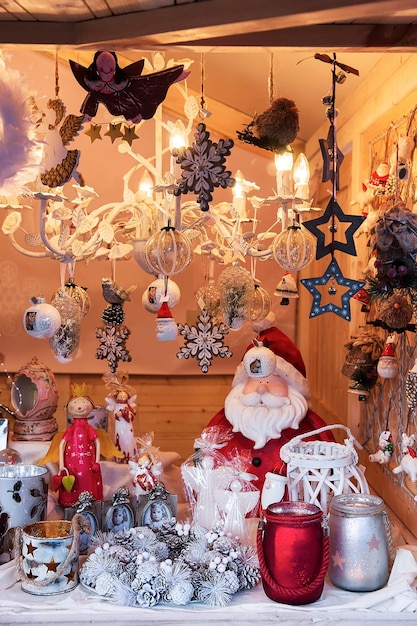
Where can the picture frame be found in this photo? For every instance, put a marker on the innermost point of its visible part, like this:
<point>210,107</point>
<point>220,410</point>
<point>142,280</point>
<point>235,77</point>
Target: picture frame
<point>90,511</point>
<point>157,507</point>
<point>119,518</point>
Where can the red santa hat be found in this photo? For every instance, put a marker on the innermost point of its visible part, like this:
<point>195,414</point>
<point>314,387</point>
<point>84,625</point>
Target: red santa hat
<point>389,349</point>
<point>288,364</point>
<point>164,312</point>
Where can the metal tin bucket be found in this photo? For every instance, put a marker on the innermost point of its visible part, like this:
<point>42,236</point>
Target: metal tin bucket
<point>47,556</point>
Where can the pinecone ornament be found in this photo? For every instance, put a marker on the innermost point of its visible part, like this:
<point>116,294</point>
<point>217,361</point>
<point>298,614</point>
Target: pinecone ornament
<point>113,315</point>
<point>411,387</point>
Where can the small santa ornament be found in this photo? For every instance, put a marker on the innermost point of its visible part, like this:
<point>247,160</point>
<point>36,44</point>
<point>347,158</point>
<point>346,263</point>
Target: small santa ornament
<point>166,326</point>
<point>388,365</point>
<point>379,177</point>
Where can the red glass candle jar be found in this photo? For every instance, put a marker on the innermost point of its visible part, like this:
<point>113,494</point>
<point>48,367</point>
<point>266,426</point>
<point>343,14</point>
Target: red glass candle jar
<point>293,552</point>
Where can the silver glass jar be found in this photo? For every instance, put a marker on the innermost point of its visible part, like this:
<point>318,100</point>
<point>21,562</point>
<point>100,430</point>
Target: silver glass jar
<point>360,542</point>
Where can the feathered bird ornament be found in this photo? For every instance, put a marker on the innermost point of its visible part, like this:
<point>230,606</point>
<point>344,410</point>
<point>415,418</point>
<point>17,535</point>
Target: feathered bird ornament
<point>113,293</point>
<point>275,129</point>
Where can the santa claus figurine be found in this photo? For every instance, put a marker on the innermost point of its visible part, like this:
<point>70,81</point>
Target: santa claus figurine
<point>269,403</point>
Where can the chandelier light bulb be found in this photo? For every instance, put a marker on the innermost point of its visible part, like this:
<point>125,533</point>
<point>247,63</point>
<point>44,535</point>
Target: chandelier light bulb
<point>178,137</point>
<point>146,185</point>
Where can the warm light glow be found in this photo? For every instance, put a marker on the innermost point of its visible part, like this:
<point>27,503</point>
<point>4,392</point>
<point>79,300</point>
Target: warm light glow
<point>178,136</point>
<point>301,174</point>
<point>284,161</point>
<point>146,185</point>
<point>238,187</point>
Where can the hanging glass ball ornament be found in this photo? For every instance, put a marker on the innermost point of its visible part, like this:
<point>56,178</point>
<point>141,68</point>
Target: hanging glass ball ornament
<point>64,343</point>
<point>159,288</point>
<point>79,294</point>
<point>236,291</point>
<point>139,246</point>
<point>260,305</point>
<point>168,252</point>
<point>41,320</point>
<point>294,248</point>
<point>208,297</point>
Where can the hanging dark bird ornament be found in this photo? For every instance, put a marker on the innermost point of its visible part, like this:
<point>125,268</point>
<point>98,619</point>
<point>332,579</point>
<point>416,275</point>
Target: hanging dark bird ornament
<point>275,129</point>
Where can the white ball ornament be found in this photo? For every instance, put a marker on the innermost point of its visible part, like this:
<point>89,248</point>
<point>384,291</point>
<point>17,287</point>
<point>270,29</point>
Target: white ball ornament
<point>153,294</point>
<point>41,320</point>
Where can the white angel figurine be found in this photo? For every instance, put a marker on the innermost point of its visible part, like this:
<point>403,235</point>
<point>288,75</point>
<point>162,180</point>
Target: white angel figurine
<point>201,482</point>
<point>236,502</point>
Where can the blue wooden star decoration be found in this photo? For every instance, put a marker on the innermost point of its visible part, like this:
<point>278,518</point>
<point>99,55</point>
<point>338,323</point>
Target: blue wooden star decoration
<point>332,215</point>
<point>331,153</point>
<point>332,275</point>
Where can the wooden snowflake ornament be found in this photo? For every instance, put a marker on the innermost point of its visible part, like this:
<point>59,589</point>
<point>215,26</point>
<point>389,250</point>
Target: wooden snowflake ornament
<point>114,334</point>
<point>203,167</point>
<point>204,341</point>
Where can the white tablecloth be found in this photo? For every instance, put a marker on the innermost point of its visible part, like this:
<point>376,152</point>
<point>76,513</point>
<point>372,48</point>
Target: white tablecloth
<point>395,603</point>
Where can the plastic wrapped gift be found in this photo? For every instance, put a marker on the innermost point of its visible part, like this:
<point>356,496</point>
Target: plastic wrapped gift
<point>239,499</point>
<point>203,473</point>
<point>146,467</point>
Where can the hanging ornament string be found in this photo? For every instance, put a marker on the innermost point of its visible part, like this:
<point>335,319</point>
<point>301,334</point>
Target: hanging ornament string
<point>56,75</point>
<point>202,112</point>
<point>271,85</point>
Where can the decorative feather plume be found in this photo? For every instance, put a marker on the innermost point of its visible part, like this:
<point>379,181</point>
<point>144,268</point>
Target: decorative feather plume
<point>20,150</point>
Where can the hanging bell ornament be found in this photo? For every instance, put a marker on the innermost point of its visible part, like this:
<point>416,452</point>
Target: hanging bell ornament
<point>411,387</point>
<point>295,248</point>
<point>41,320</point>
<point>168,252</point>
<point>286,288</point>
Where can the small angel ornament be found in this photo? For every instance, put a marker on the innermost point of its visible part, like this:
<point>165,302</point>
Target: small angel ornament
<point>146,468</point>
<point>203,473</point>
<point>236,501</point>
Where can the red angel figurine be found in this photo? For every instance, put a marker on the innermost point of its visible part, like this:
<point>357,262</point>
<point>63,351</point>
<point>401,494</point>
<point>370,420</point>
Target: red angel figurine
<point>124,91</point>
<point>79,453</point>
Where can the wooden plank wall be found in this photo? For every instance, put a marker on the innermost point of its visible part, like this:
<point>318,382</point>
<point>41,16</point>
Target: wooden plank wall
<point>175,408</point>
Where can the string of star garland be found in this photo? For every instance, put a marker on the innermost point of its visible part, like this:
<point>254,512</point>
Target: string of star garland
<point>333,216</point>
<point>115,130</point>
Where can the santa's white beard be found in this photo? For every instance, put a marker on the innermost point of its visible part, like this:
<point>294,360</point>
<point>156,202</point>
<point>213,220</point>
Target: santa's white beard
<point>261,417</point>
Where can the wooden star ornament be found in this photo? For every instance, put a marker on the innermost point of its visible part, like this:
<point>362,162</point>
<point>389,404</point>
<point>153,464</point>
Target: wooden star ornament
<point>332,276</point>
<point>130,135</point>
<point>114,131</point>
<point>326,227</point>
<point>94,132</point>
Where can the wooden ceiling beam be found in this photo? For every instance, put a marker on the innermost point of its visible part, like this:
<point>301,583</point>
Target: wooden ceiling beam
<point>196,22</point>
<point>337,37</point>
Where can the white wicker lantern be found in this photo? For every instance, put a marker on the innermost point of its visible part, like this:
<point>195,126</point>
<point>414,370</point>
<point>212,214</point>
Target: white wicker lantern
<point>318,470</point>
